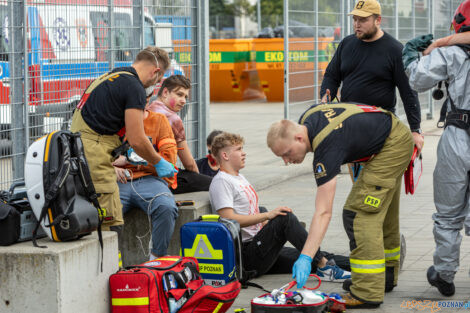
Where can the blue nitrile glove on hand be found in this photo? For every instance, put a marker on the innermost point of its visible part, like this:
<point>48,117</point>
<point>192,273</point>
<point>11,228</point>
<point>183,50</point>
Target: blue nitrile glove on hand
<point>301,270</point>
<point>134,158</point>
<point>413,47</point>
<point>165,168</point>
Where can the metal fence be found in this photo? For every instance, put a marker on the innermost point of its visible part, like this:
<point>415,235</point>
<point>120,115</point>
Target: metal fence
<point>50,50</point>
<point>315,27</point>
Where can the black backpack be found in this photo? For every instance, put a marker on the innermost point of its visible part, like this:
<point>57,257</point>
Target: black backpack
<point>60,189</point>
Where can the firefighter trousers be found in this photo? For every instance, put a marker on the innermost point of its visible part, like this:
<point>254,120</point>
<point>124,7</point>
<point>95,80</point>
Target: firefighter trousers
<point>371,216</point>
<point>98,150</point>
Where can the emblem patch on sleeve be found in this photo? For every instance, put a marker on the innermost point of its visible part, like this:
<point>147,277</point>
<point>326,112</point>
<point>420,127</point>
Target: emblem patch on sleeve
<point>319,171</point>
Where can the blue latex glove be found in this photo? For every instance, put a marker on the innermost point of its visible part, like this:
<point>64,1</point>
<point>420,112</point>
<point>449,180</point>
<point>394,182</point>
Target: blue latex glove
<point>301,270</point>
<point>134,158</point>
<point>413,47</point>
<point>165,168</point>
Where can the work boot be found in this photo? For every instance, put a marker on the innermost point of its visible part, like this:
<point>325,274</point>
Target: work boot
<point>353,303</point>
<point>389,275</point>
<point>445,288</point>
<point>389,278</point>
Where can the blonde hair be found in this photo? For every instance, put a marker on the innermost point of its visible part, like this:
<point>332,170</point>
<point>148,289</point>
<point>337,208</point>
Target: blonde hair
<point>225,140</point>
<point>154,55</point>
<point>283,129</point>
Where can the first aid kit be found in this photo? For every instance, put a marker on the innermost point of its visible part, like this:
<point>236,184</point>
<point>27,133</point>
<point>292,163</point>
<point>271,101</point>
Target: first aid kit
<point>168,284</point>
<point>216,243</point>
<point>413,172</point>
<point>306,300</point>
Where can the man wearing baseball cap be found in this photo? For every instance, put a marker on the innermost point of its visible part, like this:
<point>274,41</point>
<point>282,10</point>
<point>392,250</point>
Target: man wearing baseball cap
<point>369,66</point>
<point>366,8</point>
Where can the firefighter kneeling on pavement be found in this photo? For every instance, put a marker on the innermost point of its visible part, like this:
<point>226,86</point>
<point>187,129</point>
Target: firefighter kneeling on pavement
<point>343,133</point>
<point>113,106</point>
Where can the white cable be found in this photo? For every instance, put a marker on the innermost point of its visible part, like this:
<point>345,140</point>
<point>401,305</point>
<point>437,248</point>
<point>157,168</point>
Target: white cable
<point>147,253</point>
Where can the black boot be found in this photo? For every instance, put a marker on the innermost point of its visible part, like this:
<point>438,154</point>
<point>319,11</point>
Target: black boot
<point>445,288</point>
<point>389,278</point>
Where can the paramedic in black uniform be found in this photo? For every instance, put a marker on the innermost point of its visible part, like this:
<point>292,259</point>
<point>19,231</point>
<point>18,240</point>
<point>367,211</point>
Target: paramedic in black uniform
<point>370,66</point>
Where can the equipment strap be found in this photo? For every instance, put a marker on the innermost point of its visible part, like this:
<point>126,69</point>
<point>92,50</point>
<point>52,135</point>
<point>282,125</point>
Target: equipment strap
<point>349,110</point>
<point>57,184</point>
<point>457,117</point>
<point>97,82</point>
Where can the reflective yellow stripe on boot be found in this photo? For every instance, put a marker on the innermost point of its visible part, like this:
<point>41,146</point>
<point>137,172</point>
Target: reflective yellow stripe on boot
<point>393,254</point>
<point>367,266</point>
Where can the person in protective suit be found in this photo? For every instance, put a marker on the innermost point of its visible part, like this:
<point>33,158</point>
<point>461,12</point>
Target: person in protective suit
<point>450,64</point>
<point>343,133</point>
<point>113,106</point>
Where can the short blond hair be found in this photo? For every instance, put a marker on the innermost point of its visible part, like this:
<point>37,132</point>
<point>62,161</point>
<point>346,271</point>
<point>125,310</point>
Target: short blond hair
<point>225,140</point>
<point>283,129</point>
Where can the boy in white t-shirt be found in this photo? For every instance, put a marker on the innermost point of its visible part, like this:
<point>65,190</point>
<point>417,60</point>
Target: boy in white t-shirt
<point>263,233</point>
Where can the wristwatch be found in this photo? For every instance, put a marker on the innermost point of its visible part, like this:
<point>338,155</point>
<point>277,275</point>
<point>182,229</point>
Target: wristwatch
<point>417,130</point>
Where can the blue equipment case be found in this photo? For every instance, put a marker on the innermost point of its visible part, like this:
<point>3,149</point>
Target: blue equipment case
<point>216,243</point>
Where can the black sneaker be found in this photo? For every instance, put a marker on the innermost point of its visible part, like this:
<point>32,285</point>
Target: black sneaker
<point>445,288</point>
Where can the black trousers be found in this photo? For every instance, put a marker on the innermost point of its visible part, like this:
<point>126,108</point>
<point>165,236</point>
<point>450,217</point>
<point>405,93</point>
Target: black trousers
<point>261,253</point>
<point>191,182</point>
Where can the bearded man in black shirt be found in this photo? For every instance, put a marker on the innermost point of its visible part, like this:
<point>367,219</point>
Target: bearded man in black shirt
<point>369,66</point>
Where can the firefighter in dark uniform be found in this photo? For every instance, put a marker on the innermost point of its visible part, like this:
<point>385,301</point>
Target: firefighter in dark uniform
<point>111,106</point>
<point>338,134</point>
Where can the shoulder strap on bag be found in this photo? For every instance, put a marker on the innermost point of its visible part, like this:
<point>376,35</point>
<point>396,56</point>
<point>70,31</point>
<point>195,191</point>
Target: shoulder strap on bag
<point>63,172</point>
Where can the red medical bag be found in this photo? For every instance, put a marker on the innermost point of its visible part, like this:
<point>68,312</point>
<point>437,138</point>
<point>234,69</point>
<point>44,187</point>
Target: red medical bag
<point>168,284</point>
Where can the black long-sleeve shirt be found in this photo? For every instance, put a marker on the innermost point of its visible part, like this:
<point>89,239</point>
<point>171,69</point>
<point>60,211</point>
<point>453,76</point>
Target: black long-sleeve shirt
<point>370,71</point>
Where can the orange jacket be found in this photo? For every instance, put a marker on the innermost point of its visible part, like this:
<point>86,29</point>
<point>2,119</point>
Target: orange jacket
<point>157,126</point>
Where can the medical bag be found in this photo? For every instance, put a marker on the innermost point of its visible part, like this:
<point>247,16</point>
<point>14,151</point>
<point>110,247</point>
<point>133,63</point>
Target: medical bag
<point>306,300</point>
<point>216,243</point>
<point>168,284</point>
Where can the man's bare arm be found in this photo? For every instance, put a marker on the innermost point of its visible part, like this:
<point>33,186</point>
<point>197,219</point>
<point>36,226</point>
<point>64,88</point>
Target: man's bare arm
<point>321,217</point>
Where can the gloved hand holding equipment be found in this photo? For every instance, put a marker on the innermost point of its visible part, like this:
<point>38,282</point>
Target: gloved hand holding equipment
<point>413,47</point>
<point>165,168</point>
<point>301,269</point>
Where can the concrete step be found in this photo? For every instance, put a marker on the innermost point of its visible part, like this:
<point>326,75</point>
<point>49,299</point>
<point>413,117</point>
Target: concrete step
<point>65,277</point>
